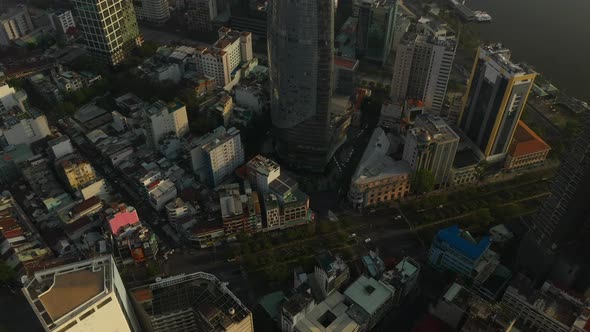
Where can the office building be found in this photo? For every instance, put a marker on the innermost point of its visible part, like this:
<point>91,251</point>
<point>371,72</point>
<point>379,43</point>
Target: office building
<point>200,14</point>
<point>293,204</point>
<point>496,97</point>
<point>232,50</point>
<point>344,80</point>
<point>548,309</point>
<point>375,29</point>
<point>423,65</point>
<point>261,172</point>
<point>84,296</point>
<point>19,123</point>
<point>456,250</point>
<point>216,155</point>
<point>526,149</point>
<point>109,28</point>
<point>152,11</point>
<point>301,88</point>
<point>378,178</point>
<point>62,21</point>
<point>15,24</point>
<point>162,119</point>
<point>190,302</point>
<point>431,145</point>
<point>561,223</point>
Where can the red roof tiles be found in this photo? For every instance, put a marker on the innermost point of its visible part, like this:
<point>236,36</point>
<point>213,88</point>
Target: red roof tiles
<point>525,141</point>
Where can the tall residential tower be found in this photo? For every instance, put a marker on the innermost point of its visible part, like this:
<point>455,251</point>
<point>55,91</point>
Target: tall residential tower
<point>496,96</point>
<point>109,28</point>
<point>301,53</point>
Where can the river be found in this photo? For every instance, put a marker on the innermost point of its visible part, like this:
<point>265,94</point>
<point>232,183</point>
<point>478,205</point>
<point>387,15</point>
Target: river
<point>551,35</point>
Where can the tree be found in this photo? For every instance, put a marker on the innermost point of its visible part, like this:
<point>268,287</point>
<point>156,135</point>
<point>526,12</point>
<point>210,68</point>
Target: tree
<point>7,274</point>
<point>423,181</point>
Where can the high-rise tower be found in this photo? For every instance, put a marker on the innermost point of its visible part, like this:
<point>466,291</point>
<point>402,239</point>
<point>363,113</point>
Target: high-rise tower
<point>301,52</point>
<point>109,28</point>
<point>496,97</point>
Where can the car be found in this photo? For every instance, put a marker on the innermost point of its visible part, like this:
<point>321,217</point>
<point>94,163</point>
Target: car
<point>352,236</point>
<point>367,240</point>
<point>398,217</point>
<point>233,259</point>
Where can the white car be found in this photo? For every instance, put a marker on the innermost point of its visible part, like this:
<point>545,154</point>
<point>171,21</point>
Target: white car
<point>398,217</point>
<point>367,240</point>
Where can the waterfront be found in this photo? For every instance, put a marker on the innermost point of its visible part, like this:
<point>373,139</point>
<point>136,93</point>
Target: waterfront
<point>548,34</point>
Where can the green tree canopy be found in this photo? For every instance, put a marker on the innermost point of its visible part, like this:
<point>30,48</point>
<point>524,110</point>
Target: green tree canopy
<point>423,181</point>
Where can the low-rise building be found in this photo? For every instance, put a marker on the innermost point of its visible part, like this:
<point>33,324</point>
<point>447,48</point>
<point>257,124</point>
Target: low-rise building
<point>239,212</point>
<point>45,88</point>
<point>197,301</point>
<point>10,159</point>
<point>250,96</point>
<point>77,172</point>
<point>548,309</point>
<point>60,146</point>
<point>378,178</point>
<point>404,277</point>
<point>161,193</point>
<point>526,149</point>
<point>371,300</point>
<point>456,250</point>
<point>464,170</point>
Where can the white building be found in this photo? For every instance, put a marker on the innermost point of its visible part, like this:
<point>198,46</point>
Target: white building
<point>220,61</point>
<point>18,124</point>
<point>152,11</point>
<point>15,24</point>
<point>162,119</point>
<point>423,65</point>
<point>109,28</point>
<point>83,296</point>
<point>162,193</point>
<point>217,154</point>
<point>261,172</point>
<point>60,146</point>
<point>61,21</point>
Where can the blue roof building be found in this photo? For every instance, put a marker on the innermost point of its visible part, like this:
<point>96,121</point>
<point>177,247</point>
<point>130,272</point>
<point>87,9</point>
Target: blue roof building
<point>456,250</point>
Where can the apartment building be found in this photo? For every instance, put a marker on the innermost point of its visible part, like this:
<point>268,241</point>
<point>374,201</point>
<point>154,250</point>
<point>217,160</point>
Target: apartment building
<point>152,11</point>
<point>162,119</point>
<point>216,155</point>
<point>15,24</point>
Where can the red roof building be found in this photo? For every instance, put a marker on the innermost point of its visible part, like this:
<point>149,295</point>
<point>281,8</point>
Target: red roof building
<point>526,148</point>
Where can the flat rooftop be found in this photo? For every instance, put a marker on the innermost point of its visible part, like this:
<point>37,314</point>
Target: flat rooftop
<point>70,291</point>
<point>369,294</point>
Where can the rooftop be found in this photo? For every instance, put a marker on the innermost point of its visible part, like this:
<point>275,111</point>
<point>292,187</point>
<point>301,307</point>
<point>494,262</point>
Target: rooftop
<point>463,242</point>
<point>369,294</point>
<point>201,292</point>
<point>67,289</point>
<point>525,141</point>
<point>498,56</point>
<point>329,315</point>
<point>263,165</point>
<point>375,163</point>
